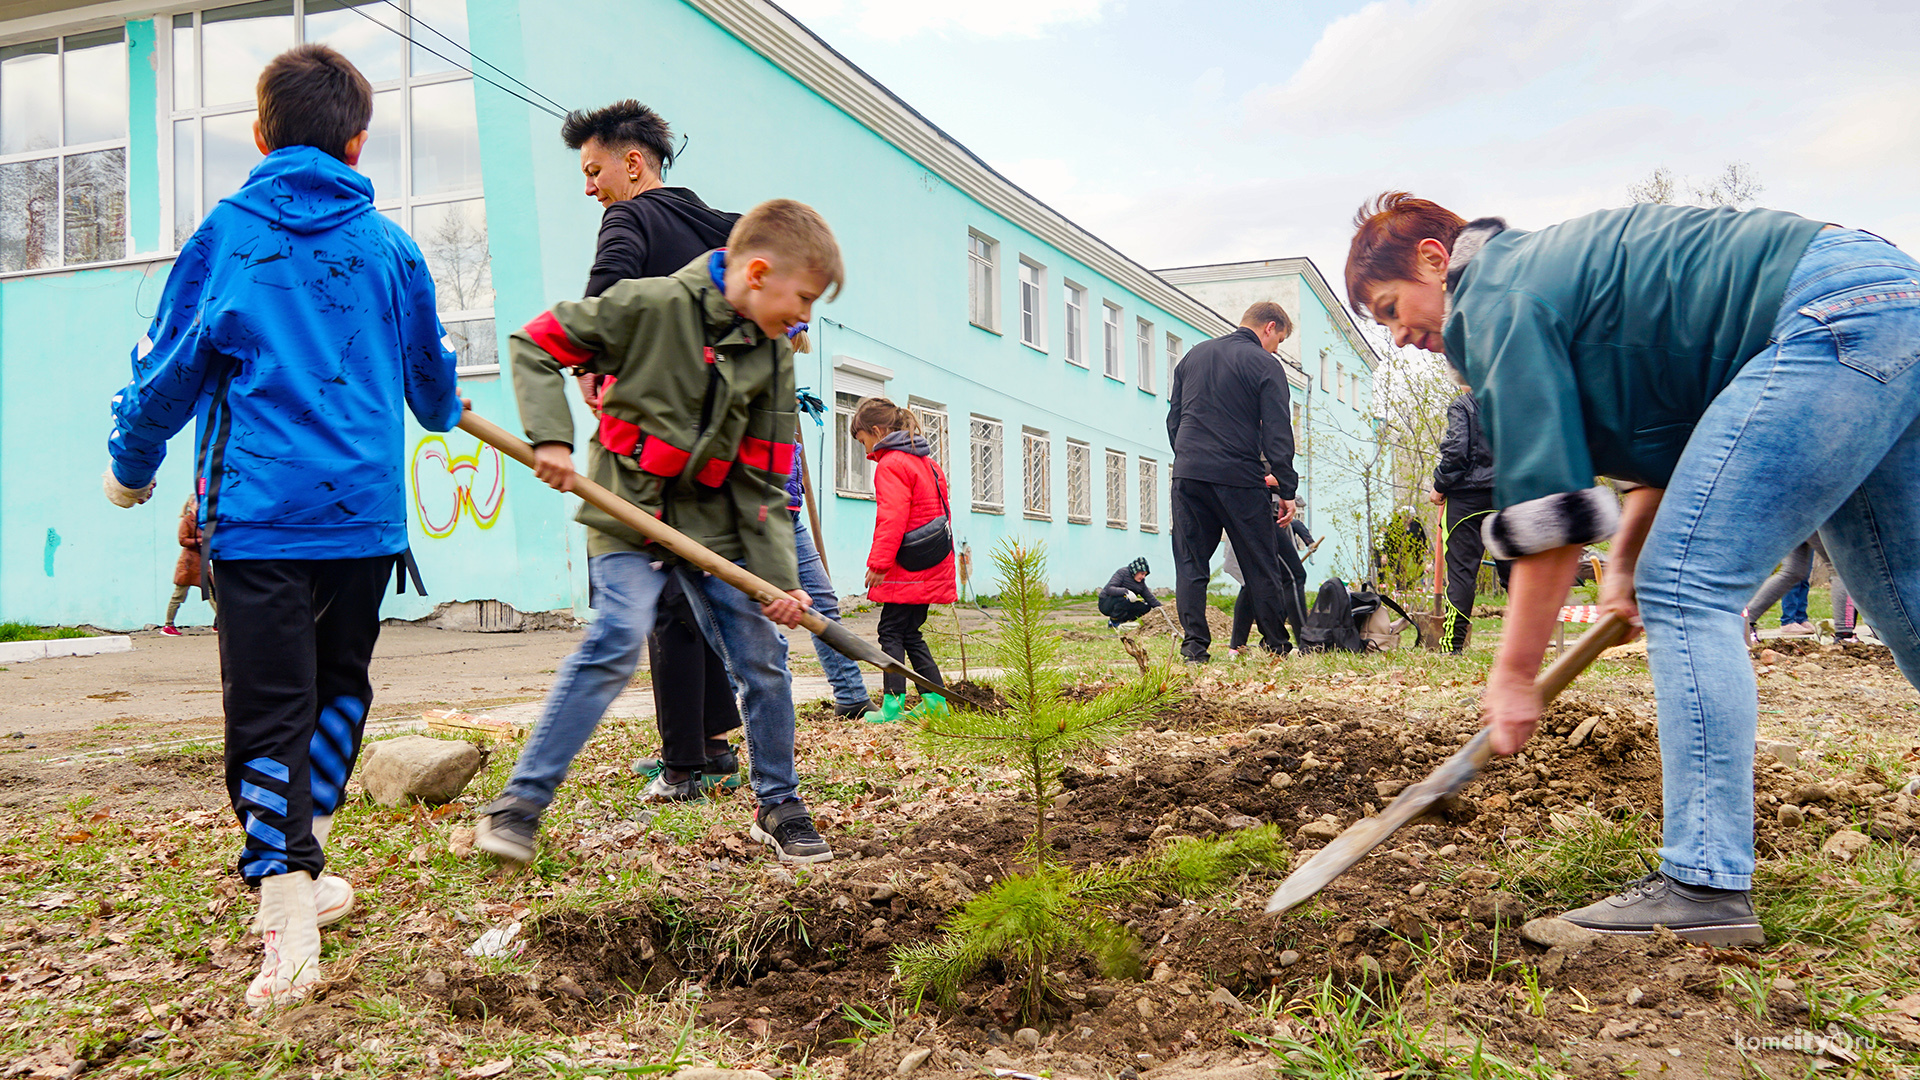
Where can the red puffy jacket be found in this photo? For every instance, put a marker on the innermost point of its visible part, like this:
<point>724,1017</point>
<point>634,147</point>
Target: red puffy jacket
<point>909,492</point>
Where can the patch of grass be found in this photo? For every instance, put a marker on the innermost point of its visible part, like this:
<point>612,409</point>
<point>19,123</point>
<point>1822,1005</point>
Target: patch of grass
<point>1348,1033</point>
<point>1587,855</point>
<point>17,631</point>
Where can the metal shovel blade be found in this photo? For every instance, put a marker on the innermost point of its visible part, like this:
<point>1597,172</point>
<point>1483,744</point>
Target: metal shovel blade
<point>1365,835</point>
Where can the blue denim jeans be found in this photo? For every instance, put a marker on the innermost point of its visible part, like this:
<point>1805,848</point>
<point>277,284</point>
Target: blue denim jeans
<point>1844,358</point>
<point>1793,606</point>
<point>624,592</point>
<point>843,674</point>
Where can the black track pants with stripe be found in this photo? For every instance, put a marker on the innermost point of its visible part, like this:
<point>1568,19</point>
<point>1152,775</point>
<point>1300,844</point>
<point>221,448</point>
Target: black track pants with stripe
<point>296,636</point>
<point>1467,511</point>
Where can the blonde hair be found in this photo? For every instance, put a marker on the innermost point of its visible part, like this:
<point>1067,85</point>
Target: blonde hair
<point>792,230</point>
<point>1264,312</point>
<point>879,412</point>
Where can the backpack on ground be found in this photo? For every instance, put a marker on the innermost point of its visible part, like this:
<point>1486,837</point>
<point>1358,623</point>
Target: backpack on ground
<point>1330,626</point>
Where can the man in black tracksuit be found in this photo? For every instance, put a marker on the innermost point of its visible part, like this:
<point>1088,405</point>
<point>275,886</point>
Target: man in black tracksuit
<point>1463,482</point>
<point>1117,601</point>
<point>1228,409</point>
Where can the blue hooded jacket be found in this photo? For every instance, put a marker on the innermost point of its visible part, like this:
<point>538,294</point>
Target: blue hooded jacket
<point>294,324</point>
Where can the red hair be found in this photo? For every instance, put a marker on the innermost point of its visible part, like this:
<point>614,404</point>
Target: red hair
<point>1387,230</point>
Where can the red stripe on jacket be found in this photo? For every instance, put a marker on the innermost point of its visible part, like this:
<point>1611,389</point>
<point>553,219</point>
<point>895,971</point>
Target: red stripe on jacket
<point>662,458</point>
<point>546,332</point>
<point>773,457</point>
<point>617,435</point>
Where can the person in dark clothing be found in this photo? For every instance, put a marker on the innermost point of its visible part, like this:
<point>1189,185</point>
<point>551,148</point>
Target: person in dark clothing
<point>1463,484</point>
<point>651,230</point>
<point>1226,411</point>
<point>1295,595</point>
<point>1116,598</point>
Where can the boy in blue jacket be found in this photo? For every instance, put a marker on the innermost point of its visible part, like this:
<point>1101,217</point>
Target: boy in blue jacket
<point>295,323</point>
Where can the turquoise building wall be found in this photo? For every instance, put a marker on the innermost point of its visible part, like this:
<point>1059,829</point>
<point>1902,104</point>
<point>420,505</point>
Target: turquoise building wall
<point>755,132</point>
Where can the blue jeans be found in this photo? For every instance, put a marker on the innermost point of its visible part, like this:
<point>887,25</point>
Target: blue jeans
<point>843,674</point>
<point>624,591</point>
<point>1842,359</point>
<point>1793,606</point>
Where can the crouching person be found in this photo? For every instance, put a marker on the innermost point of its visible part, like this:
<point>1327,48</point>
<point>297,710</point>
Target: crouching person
<point>1125,597</point>
<point>694,429</point>
<point>296,323</point>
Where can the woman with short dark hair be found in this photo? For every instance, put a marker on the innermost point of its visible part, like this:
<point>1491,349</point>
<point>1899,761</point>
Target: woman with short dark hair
<point>1684,351</point>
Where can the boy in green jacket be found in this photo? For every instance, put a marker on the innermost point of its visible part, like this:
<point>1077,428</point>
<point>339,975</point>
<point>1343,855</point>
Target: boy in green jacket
<point>695,427</point>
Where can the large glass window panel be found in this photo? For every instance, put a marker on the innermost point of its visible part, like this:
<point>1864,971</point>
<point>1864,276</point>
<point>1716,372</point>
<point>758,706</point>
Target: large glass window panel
<point>453,237</point>
<point>29,214</point>
<point>474,343</point>
<point>229,156</point>
<point>439,25</point>
<point>186,209</point>
<point>96,206</point>
<point>186,64</point>
<point>96,87</point>
<point>236,42</point>
<point>29,97</point>
<point>446,138</point>
<point>359,29</point>
<point>380,158</point>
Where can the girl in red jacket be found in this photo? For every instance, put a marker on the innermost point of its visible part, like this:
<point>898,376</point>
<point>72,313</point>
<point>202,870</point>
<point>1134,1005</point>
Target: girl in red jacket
<point>910,494</point>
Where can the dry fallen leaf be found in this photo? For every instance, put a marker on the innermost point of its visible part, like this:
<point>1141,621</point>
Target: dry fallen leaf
<point>491,1068</point>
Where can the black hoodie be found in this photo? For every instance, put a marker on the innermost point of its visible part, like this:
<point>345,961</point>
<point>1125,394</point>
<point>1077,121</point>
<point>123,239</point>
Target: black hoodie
<point>654,234</point>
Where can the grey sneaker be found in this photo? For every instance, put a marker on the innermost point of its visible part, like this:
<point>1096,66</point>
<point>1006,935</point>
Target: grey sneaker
<point>507,827</point>
<point>788,829</point>
<point>1721,917</point>
<point>663,788</point>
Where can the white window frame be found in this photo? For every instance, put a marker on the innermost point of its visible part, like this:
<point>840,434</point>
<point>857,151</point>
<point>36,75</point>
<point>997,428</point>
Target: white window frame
<point>853,379</point>
<point>1149,495</point>
<point>983,272</point>
<point>60,151</point>
<point>1340,382</point>
<point>987,464</point>
<point>1079,483</point>
<point>1076,325</point>
<point>1353,388</point>
<point>1036,471</point>
<point>1116,488</point>
<point>399,206</point>
<point>1143,347</point>
<point>1323,373</point>
<point>1033,304</point>
<point>1111,362</point>
<point>936,425</point>
<point>1174,347</point>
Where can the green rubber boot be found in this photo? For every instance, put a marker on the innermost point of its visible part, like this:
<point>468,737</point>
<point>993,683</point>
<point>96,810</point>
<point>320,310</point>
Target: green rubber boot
<point>891,707</point>
<point>931,707</point>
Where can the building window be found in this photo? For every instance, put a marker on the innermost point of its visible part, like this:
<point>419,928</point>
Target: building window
<point>933,424</point>
<point>1324,384</point>
<point>63,151</point>
<point>983,281</point>
<point>1143,352</point>
<point>1079,482</point>
<point>423,146</point>
<point>852,472</point>
<point>1110,339</point>
<point>1296,424</point>
<point>1037,459</point>
<point>1340,381</point>
<point>1149,495</point>
<point>1116,489</point>
<point>1173,356</point>
<point>1076,325</point>
<point>1033,299</point>
<point>1353,389</point>
<point>989,490</point>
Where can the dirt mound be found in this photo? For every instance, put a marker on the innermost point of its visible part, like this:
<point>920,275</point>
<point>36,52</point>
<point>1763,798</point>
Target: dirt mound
<point>1836,655</point>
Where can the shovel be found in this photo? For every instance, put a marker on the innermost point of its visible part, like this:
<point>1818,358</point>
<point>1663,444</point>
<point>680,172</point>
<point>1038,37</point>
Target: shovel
<point>1366,834</point>
<point>835,635</point>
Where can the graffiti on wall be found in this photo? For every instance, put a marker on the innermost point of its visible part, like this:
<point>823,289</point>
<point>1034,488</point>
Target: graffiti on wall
<point>445,485</point>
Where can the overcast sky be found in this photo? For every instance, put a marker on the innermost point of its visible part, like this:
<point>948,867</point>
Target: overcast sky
<point>1219,130</point>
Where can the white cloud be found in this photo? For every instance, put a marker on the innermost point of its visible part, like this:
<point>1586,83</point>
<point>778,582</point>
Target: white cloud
<point>896,20</point>
<point>1047,179</point>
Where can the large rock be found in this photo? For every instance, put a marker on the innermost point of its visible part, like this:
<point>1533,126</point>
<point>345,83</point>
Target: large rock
<point>1552,932</point>
<point>432,771</point>
<point>1845,845</point>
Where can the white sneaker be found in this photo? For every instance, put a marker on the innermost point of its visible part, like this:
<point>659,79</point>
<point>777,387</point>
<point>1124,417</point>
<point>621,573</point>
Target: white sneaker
<point>332,899</point>
<point>289,942</point>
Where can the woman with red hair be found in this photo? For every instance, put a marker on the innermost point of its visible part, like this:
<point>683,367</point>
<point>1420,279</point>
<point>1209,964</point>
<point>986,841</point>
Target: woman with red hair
<point>1682,351</point>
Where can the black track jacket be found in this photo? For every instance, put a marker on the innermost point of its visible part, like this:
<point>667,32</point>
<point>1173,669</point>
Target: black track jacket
<point>1228,408</point>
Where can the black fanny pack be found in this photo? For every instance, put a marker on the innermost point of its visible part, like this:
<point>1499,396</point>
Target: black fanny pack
<point>927,546</point>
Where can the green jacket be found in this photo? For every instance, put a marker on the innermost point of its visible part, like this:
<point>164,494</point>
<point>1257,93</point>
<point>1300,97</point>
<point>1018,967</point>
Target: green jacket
<point>1595,345</point>
<point>678,352</point>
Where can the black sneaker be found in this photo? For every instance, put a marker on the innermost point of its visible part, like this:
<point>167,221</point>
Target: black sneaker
<point>1721,917</point>
<point>788,829</point>
<point>507,827</point>
<point>852,710</point>
<point>672,785</point>
<point>722,770</point>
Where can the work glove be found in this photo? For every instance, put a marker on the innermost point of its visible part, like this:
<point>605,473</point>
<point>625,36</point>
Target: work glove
<point>121,495</point>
